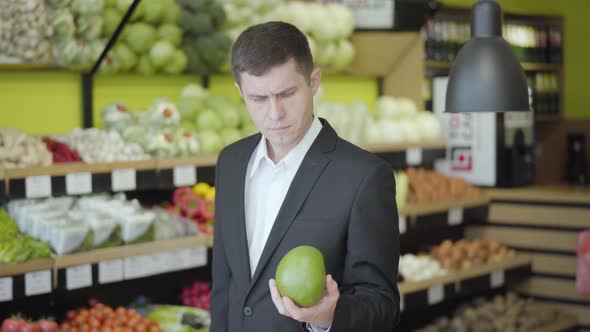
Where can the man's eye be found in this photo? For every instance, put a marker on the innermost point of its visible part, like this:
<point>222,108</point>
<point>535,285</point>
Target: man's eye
<point>287,94</point>
<point>259,99</point>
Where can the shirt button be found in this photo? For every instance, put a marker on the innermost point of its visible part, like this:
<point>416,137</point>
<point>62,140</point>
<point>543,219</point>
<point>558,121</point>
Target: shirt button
<point>247,311</point>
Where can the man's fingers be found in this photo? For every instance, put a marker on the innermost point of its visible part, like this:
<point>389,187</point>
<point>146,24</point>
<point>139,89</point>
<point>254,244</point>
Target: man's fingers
<point>293,310</point>
<point>331,286</point>
<point>276,297</point>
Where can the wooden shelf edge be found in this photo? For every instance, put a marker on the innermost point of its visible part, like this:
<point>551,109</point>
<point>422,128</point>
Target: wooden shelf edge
<point>457,276</point>
<point>67,168</point>
<point>11,269</point>
<point>553,194</point>
<point>200,161</point>
<point>384,148</point>
<point>95,256</point>
<point>527,66</point>
<point>426,209</point>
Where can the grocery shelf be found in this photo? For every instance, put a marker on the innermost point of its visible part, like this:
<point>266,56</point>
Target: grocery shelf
<point>82,178</point>
<point>442,214</point>
<point>463,282</point>
<point>98,255</point>
<point>11,269</point>
<point>527,66</point>
<point>106,265</point>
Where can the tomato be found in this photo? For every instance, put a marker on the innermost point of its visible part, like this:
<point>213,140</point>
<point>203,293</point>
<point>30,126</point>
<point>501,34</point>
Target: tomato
<point>71,314</point>
<point>84,312</point>
<point>73,329</point>
<point>131,312</point>
<point>141,327</point>
<point>121,311</point>
<point>106,329</point>
<point>12,325</point>
<point>154,329</point>
<point>47,325</point>
<point>30,327</point>
<point>85,328</point>
<point>79,320</point>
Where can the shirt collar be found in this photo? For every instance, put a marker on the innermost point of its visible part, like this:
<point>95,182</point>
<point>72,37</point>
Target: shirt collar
<point>296,155</point>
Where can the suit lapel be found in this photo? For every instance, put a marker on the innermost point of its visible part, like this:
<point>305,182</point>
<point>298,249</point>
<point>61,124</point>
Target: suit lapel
<point>236,229</point>
<point>307,175</point>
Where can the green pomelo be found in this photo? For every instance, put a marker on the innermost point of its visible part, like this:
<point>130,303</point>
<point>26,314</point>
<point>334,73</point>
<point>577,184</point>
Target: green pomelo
<point>301,276</point>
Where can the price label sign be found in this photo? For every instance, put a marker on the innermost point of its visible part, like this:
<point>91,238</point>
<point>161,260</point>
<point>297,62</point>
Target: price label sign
<point>436,294</point>
<point>194,257</point>
<point>455,216</point>
<point>38,282</point>
<point>184,175</point>
<point>134,267</point>
<point>110,271</point>
<point>497,279</point>
<point>5,289</point>
<point>123,179</point>
<point>414,156</point>
<point>38,186</point>
<point>78,183</point>
<point>403,224</point>
<point>79,276</point>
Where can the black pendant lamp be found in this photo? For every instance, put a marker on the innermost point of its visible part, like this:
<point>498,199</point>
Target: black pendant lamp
<point>486,75</point>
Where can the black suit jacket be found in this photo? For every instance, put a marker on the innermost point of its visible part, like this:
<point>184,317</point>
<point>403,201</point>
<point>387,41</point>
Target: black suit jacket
<point>341,201</point>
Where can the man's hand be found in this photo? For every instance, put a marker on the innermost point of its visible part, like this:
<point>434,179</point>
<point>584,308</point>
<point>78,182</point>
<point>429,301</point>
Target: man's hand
<point>321,314</point>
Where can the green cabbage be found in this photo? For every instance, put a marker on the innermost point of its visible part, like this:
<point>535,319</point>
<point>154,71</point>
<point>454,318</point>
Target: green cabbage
<point>140,37</point>
<point>161,53</point>
<point>127,59</point>
<point>177,64</point>
<point>144,65</point>
<point>111,19</point>
<point>171,33</point>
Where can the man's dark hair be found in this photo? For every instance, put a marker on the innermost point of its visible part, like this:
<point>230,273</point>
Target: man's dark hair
<point>263,46</point>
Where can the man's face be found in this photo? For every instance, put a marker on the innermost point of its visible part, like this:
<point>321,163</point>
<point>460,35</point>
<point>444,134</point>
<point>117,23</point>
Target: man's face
<point>280,103</point>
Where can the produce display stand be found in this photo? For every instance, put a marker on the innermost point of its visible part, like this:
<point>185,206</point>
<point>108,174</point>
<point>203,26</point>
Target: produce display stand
<point>429,292</point>
<point>565,323</point>
<point>441,215</point>
<point>82,178</point>
<point>102,266</point>
<point>527,66</point>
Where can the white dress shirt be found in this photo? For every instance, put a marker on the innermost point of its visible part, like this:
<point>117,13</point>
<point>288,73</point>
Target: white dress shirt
<point>267,184</point>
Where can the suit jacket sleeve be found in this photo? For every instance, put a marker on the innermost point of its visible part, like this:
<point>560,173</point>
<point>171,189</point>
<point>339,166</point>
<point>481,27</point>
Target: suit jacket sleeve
<point>369,297</point>
<point>221,273</point>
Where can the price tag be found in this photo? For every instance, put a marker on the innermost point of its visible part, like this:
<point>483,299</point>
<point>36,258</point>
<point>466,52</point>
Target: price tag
<point>38,282</point>
<point>78,276</point>
<point>150,266</point>
<point>5,289</point>
<point>134,267</point>
<point>455,216</point>
<point>123,179</point>
<point>414,156</point>
<point>185,175</point>
<point>497,279</point>
<point>403,224</point>
<point>436,294</point>
<point>110,271</point>
<point>194,257</point>
<point>38,186</point>
<point>78,183</point>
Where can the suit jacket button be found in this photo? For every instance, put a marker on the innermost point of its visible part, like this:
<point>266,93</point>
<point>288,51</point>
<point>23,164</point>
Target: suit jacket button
<point>247,311</point>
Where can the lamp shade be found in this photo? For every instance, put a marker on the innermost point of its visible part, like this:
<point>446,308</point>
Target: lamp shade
<point>486,75</point>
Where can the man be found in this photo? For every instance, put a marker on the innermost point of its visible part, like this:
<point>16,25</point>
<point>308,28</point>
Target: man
<point>297,183</point>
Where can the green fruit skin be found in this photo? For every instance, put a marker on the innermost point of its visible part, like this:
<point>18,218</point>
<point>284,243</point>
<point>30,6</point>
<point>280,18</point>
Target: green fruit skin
<point>301,276</point>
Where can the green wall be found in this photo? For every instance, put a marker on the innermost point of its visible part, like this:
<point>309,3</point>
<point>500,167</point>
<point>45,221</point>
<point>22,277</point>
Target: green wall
<point>49,102</point>
<point>577,51</point>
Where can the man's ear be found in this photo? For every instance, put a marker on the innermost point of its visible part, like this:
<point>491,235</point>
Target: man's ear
<point>239,89</point>
<point>315,79</point>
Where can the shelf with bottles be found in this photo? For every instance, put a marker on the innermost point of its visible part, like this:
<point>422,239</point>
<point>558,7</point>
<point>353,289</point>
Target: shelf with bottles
<point>534,39</point>
<point>526,66</point>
